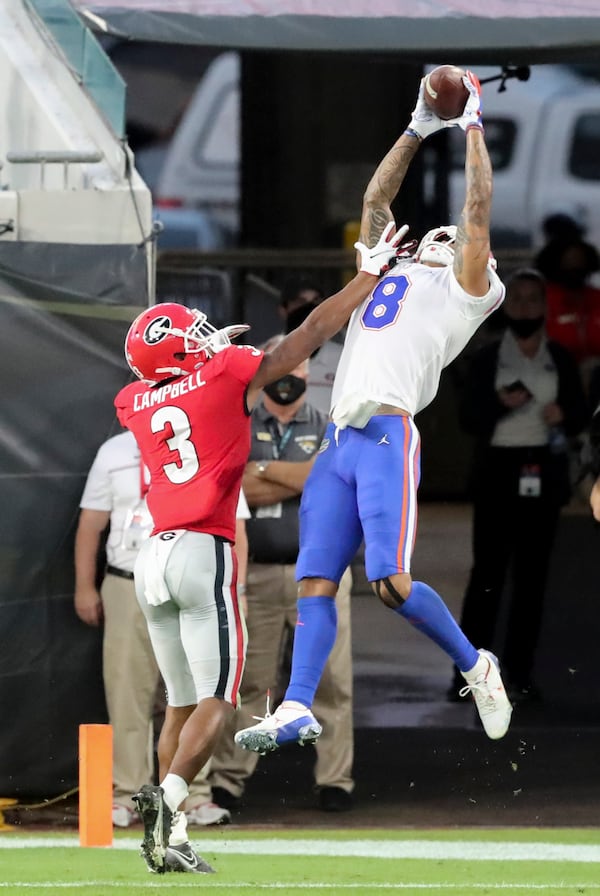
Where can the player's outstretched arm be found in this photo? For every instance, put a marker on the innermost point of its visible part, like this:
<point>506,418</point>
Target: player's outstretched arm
<point>330,316</point>
<point>383,188</point>
<point>389,175</point>
<point>472,248</point>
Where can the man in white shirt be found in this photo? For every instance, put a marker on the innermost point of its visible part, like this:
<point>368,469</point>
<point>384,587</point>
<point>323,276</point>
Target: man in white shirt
<point>114,499</point>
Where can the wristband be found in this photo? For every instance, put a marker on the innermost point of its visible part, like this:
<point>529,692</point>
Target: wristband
<point>410,133</point>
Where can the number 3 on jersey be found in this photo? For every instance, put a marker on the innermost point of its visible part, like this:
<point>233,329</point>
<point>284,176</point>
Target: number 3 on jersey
<point>179,423</point>
<point>386,302</point>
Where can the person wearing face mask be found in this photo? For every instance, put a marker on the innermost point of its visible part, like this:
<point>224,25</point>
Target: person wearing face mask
<point>522,400</point>
<point>299,296</point>
<point>568,262</point>
<point>287,431</point>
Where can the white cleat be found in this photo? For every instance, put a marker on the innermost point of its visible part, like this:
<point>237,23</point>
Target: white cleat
<point>484,683</point>
<point>290,723</point>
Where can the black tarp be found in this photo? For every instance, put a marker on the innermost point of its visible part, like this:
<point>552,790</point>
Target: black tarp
<point>64,312</point>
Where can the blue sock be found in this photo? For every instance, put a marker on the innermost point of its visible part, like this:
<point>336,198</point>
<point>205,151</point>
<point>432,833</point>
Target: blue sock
<point>314,638</point>
<point>427,612</point>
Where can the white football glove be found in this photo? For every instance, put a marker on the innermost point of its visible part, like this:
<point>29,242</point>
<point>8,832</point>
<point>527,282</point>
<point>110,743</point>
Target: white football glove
<point>376,260</point>
<point>424,121</point>
<point>471,117</point>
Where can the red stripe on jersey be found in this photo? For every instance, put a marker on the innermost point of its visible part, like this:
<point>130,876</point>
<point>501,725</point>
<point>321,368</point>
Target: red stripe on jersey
<point>239,636</point>
<point>239,632</point>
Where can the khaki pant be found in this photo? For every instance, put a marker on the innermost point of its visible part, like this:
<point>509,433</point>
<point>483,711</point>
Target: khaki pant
<point>131,678</point>
<point>272,594</point>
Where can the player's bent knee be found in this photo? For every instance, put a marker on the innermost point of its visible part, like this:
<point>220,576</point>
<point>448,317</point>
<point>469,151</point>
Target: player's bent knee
<point>393,590</point>
<point>317,588</point>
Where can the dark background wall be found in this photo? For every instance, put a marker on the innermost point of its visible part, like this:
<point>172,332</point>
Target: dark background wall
<point>313,128</point>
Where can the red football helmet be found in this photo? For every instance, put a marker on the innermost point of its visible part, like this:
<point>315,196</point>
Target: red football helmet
<point>172,340</point>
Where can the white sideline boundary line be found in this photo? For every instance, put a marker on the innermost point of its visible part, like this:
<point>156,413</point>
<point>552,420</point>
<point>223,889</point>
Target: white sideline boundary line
<point>183,885</point>
<point>436,850</point>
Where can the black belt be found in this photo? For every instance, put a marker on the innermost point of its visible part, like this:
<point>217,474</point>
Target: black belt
<point>122,573</point>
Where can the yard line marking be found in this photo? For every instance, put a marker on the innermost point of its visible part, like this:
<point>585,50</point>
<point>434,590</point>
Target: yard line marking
<point>183,885</point>
<point>473,850</point>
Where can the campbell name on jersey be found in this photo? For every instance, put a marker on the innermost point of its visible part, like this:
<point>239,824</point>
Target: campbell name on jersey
<point>157,395</point>
<point>414,323</point>
<point>194,436</point>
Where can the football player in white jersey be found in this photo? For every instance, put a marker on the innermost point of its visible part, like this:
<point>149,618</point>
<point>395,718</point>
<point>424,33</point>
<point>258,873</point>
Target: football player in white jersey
<point>364,482</point>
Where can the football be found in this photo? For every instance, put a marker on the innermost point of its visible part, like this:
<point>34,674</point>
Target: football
<point>444,91</point>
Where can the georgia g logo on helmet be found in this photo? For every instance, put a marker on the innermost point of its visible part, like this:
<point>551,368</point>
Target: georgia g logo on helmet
<point>157,330</point>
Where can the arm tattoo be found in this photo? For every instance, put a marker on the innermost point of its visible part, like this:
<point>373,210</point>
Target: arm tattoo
<point>473,227</point>
<point>383,188</point>
<point>377,221</point>
<point>478,176</point>
<point>462,239</point>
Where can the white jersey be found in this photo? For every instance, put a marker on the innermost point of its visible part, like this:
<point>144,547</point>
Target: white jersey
<point>414,323</point>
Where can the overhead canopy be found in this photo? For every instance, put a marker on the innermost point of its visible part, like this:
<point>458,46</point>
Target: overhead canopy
<point>498,31</point>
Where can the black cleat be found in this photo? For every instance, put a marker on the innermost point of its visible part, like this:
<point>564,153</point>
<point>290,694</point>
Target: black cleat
<point>183,858</point>
<point>335,799</point>
<point>157,817</point>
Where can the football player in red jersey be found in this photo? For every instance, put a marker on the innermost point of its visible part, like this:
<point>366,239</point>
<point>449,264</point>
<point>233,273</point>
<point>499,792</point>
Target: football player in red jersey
<point>190,414</point>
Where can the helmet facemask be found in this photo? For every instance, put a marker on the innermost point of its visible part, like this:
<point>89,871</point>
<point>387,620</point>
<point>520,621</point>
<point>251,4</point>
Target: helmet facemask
<point>201,341</point>
<point>437,246</point>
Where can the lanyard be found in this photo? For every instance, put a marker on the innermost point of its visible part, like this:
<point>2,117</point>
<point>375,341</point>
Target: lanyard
<point>280,441</point>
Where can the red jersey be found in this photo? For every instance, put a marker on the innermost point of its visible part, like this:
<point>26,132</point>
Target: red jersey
<point>194,436</point>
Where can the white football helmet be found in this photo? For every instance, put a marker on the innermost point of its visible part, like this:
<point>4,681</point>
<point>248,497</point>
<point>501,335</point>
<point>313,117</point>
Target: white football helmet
<point>169,339</point>
<point>437,246</point>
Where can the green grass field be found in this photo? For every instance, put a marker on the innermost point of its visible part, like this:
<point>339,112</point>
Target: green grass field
<point>556,862</point>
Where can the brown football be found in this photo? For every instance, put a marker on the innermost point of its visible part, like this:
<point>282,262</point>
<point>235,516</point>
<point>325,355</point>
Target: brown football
<point>445,92</point>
